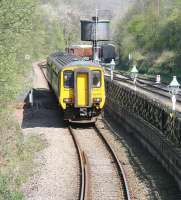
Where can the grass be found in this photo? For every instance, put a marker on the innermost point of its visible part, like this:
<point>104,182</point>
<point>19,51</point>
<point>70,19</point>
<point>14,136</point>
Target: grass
<point>17,151</point>
<point>16,156</point>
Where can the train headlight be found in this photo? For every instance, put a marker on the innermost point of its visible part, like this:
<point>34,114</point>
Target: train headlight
<point>97,100</point>
<point>68,100</point>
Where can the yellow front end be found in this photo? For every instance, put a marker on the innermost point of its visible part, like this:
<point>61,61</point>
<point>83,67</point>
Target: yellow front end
<point>86,93</point>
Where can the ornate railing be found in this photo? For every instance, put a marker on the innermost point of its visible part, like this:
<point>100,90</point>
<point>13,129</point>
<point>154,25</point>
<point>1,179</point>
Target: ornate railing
<point>157,114</point>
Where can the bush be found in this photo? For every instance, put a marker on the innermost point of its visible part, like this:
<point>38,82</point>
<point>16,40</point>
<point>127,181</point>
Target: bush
<point>154,40</point>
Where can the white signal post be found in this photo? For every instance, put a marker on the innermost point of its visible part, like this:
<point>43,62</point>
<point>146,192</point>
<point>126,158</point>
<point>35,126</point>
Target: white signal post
<point>112,66</point>
<point>158,79</point>
<point>96,59</point>
<point>173,90</point>
<point>31,97</point>
<point>134,74</point>
<point>130,56</point>
<point>27,57</point>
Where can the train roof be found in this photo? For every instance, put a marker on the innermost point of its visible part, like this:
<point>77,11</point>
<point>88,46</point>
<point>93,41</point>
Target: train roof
<point>63,60</point>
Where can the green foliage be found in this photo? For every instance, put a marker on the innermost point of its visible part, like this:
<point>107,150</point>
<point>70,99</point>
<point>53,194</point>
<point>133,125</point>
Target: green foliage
<point>153,35</point>
<point>16,157</point>
<point>5,192</point>
<point>25,29</point>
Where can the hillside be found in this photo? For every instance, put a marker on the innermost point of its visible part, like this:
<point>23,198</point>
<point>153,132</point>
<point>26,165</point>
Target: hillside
<point>151,32</point>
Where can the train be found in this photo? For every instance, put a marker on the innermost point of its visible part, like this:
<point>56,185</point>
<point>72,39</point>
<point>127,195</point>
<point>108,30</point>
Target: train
<point>106,52</point>
<point>78,86</point>
<point>81,50</point>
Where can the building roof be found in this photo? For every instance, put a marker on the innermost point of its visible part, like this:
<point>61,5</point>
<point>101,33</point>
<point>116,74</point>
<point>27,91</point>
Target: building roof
<point>81,46</point>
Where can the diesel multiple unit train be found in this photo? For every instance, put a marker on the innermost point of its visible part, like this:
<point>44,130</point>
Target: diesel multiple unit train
<point>78,86</point>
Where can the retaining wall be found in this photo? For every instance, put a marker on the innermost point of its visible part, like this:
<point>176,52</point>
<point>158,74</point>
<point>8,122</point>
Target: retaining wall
<point>152,123</point>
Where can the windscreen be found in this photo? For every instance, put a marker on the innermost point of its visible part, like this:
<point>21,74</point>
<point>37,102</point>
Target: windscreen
<point>68,79</point>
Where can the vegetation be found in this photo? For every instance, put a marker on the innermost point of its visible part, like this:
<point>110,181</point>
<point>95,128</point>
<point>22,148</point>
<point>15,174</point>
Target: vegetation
<point>151,32</point>
<point>16,157</point>
<point>27,33</point>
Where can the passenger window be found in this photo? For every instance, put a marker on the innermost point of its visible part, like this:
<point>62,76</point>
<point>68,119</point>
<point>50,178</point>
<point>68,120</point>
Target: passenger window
<point>96,78</point>
<point>68,79</point>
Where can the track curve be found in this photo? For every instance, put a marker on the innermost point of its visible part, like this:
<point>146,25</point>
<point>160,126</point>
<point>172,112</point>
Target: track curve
<point>83,191</point>
<point>97,174</point>
<point>120,168</point>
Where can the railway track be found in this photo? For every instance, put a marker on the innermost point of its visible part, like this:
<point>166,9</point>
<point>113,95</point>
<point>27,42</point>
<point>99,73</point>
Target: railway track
<point>148,85</point>
<point>120,168</point>
<point>86,177</point>
<point>93,180</point>
<point>151,85</point>
<point>83,157</point>
<point>83,163</point>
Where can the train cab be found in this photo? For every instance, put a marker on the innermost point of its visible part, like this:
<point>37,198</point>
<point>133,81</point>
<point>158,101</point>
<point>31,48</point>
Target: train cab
<point>78,85</point>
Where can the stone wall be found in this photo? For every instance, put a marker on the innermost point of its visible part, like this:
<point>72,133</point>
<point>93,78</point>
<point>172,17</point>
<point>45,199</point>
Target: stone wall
<point>151,123</point>
<point>153,112</point>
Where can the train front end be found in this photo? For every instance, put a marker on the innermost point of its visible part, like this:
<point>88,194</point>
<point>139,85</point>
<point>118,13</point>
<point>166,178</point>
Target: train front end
<point>82,94</point>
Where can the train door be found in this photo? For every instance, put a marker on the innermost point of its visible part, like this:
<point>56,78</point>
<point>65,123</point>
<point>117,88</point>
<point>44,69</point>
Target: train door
<point>82,88</point>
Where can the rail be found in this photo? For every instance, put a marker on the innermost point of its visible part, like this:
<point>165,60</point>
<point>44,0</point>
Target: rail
<point>146,86</point>
<point>119,166</point>
<point>83,192</point>
<point>150,83</point>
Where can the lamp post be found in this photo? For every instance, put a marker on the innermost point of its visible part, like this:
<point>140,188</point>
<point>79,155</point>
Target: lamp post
<point>134,74</point>
<point>158,79</point>
<point>173,90</point>
<point>96,58</point>
<point>112,66</point>
<point>130,57</point>
<point>31,97</point>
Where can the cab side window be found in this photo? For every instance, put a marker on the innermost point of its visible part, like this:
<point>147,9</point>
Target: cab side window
<point>96,78</point>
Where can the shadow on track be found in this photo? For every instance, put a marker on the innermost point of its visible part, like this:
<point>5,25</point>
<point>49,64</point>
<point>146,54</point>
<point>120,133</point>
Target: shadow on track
<point>161,185</point>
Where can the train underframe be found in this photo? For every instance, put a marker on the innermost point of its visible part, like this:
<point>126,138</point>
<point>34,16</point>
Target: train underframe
<point>84,114</point>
